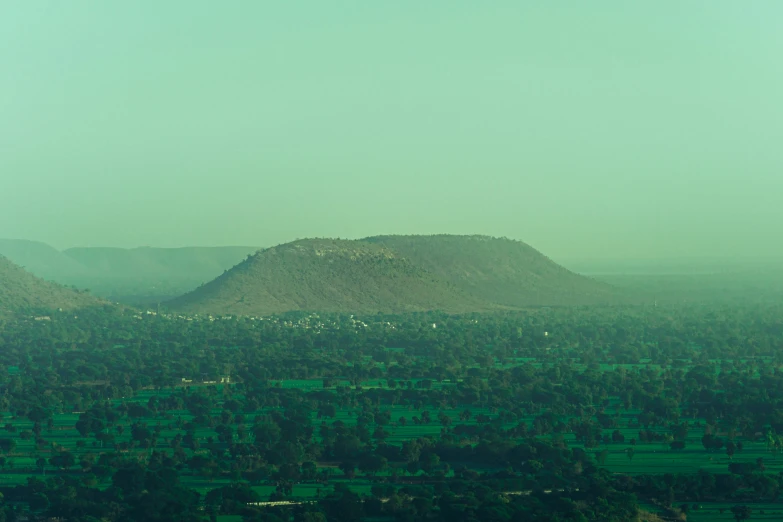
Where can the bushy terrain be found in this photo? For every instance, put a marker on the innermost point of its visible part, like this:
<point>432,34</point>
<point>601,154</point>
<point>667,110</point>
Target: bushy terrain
<point>21,291</point>
<point>134,276</point>
<point>392,274</point>
<point>499,270</point>
<point>613,414</point>
<point>151,275</point>
<point>327,275</point>
<point>41,260</point>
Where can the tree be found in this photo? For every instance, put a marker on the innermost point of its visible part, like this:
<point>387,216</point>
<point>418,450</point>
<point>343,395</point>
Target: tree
<point>731,449</point>
<point>343,505</point>
<point>430,463</point>
<point>327,410</point>
<point>380,434</point>
<point>266,434</point>
<point>289,472</point>
<point>677,445</point>
<point>741,512</point>
<point>38,414</point>
<point>130,479</point>
<point>63,460</point>
<point>38,502</point>
<point>7,445</point>
<point>371,464</point>
<point>534,466</point>
<point>349,469</point>
<point>601,456</point>
<point>137,411</point>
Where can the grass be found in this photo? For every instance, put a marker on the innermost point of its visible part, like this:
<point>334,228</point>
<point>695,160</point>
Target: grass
<point>709,512</point>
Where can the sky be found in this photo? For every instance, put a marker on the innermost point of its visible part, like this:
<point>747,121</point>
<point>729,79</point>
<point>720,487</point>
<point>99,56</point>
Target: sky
<point>590,130</point>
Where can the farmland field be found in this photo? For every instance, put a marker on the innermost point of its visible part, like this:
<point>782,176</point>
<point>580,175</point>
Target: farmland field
<point>302,421</point>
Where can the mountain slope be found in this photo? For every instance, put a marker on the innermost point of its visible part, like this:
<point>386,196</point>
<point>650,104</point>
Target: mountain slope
<point>20,291</point>
<point>503,271</point>
<point>326,275</point>
<point>136,276</point>
<point>142,276</point>
<point>40,259</point>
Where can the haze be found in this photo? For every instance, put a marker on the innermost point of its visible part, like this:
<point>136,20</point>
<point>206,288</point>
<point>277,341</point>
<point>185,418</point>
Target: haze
<point>608,129</point>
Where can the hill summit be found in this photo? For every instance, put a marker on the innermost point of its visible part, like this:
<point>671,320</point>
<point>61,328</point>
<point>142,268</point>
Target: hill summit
<point>20,291</point>
<point>391,274</point>
<point>500,270</point>
<point>328,275</point>
<point>40,259</point>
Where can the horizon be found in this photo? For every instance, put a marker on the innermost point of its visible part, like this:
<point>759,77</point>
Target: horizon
<point>739,261</point>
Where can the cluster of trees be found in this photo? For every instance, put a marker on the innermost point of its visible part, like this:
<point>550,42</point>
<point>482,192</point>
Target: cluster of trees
<point>536,377</point>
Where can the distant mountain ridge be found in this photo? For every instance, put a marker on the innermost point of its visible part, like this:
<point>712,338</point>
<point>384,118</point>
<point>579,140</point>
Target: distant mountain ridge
<point>394,274</point>
<point>21,291</point>
<point>375,274</point>
<point>40,259</point>
<point>135,275</point>
<point>199,262</point>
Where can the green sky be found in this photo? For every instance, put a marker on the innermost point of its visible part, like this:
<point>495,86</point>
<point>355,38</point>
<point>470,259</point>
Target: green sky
<point>606,129</point>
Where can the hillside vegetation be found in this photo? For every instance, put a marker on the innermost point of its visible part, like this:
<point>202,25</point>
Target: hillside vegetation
<point>503,271</point>
<point>20,291</point>
<point>327,275</point>
<point>135,276</point>
<point>394,274</point>
<point>41,259</point>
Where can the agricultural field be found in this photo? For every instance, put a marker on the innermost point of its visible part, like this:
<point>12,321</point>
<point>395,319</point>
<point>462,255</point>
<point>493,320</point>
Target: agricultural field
<point>484,413</point>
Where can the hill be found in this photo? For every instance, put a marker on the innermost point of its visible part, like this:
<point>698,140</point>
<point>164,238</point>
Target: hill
<point>503,271</point>
<point>326,275</point>
<point>150,275</point>
<point>40,259</point>
<point>135,276</point>
<point>394,274</point>
<point>20,291</point>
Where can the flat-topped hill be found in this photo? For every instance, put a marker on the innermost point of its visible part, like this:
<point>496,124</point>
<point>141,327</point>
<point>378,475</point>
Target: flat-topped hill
<point>499,270</point>
<point>393,274</point>
<point>325,275</point>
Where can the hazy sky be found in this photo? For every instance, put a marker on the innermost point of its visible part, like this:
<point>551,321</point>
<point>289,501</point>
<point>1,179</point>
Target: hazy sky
<point>587,129</point>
